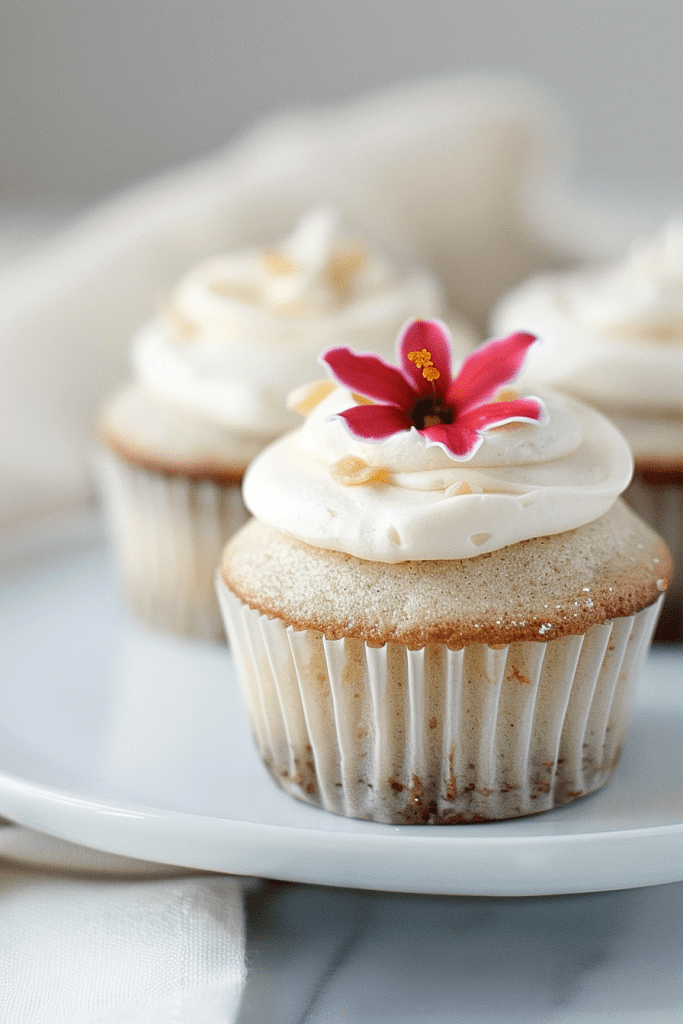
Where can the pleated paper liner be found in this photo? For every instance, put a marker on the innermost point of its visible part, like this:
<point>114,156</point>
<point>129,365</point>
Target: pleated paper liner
<point>168,532</point>
<point>437,735</point>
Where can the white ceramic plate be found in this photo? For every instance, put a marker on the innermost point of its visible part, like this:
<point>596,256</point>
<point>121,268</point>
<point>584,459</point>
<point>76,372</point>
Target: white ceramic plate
<point>135,743</point>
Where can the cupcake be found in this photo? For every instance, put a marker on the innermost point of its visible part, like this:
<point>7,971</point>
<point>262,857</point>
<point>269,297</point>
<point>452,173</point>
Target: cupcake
<point>440,607</point>
<point>210,378</point>
<point>614,337</point>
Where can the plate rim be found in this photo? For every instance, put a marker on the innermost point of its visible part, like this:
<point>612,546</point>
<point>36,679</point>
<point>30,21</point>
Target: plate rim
<point>143,828</point>
<point>60,813</point>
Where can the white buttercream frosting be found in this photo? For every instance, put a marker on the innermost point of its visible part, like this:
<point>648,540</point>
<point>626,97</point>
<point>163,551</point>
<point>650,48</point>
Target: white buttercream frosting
<point>613,336</point>
<point>526,480</point>
<point>242,330</point>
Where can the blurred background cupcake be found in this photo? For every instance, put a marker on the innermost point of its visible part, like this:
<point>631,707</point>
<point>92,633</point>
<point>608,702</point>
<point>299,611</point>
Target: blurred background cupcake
<point>613,337</point>
<point>211,374</point>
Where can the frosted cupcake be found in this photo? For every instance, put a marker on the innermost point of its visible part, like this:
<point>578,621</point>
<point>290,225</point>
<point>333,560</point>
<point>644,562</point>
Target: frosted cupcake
<point>440,608</point>
<point>211,374</point>
<point>614,337</point>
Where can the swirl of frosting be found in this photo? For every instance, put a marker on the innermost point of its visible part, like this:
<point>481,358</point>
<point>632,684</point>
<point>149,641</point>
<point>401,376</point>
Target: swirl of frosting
<point>614,336</point>
<point>242,330</point>
<point>400,499</point>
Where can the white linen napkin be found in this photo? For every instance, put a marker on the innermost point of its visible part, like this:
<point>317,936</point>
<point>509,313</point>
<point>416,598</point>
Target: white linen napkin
<point>91,938</point>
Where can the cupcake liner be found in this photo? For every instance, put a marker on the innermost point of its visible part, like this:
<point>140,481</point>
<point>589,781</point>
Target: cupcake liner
<point>658,499</point>
<point>436,735</point>
<point>168,532</point>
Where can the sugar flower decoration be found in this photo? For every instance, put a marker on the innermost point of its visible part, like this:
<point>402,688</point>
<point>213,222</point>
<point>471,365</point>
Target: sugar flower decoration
<point>422,394</point>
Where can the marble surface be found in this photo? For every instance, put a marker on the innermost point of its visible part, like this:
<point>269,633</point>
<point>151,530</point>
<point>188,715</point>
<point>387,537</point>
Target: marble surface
<point>320,955</point>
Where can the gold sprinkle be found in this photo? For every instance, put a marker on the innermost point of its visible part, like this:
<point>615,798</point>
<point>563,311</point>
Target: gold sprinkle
<point>350,471</point>
<point>662,585</point>
<point>343,267</point>
<point>294,307</point>
<point>277,263</point>
<point>180,326</point>
<point>241,291</point>
<point>307,396</point>
<point>462,487</point>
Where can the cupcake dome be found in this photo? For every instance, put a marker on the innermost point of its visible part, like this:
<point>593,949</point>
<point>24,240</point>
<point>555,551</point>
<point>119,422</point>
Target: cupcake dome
<point>211,374</point>
<point>613,337</point>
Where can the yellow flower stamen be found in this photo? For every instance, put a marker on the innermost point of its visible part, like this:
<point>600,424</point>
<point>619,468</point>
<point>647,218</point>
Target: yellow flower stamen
<point>423,361</point>
<point>421,358</point>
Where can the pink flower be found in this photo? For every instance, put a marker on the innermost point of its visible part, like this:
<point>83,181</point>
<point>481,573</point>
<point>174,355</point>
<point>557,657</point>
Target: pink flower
<point>421,393</point>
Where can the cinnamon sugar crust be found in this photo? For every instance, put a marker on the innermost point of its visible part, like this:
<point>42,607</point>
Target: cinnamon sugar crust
<point>539,589</point>
<point>157,436</point>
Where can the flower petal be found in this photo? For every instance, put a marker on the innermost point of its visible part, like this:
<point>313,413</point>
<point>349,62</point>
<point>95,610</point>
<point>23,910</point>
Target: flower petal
<point>458,440</point>
<point>434,336</point>
<point>495,414</point>
<point>463,437</point>
<point>487,369</point>
<point>375,422</point>
<point>369,375</point>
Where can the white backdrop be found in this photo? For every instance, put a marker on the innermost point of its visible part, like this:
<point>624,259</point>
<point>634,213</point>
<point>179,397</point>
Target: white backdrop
<point>95,95</point>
